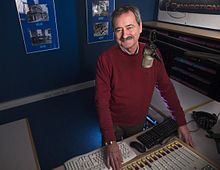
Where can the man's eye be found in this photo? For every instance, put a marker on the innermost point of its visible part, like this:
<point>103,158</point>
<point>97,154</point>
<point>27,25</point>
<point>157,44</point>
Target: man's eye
<point>118,30</point>
<point>130,27</point>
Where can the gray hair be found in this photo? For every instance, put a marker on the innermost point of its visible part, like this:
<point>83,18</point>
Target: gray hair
<point>124,9</point>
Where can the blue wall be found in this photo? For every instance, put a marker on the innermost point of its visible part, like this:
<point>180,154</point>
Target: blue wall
<point>28,74</point>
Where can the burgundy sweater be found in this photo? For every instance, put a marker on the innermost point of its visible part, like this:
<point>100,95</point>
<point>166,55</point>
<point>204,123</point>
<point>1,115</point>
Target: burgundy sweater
<point>124,90</point>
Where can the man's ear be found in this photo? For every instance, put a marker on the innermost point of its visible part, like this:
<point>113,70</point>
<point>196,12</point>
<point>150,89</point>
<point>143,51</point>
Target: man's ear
<point>140,27</point>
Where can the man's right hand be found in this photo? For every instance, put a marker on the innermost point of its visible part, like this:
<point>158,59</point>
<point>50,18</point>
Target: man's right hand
<point>114,157</point>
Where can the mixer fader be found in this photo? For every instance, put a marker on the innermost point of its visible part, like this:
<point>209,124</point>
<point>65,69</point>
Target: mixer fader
<point>173,156</point>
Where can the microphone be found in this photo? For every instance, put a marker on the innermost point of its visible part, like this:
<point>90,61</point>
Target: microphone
<point>147,60</point>
<point>149,53</point>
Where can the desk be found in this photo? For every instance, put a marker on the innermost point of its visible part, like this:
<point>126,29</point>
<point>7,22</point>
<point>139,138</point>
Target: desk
<point>152,151</point>
<point>189,98</point>
<point>203,144</point>
<point>17,149</point>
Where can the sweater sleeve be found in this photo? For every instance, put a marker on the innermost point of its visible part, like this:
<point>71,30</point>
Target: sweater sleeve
<point>168,92</point>
<point>102,98</point>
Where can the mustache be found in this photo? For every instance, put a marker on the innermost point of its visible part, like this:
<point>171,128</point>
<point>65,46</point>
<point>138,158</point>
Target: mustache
<point>127,38</point>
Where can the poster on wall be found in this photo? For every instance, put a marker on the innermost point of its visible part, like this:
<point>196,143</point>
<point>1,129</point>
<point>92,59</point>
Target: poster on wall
<point>98,15</point>
<point>198,13</point>
<point>38,25</point>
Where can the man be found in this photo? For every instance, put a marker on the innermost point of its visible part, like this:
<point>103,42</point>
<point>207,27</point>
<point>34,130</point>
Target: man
<point>124,87</point>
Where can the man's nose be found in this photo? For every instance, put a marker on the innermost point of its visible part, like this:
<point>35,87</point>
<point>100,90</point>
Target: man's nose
<point>125,33</point>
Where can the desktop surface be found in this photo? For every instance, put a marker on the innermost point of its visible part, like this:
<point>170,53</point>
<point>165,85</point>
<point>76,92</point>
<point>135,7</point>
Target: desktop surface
<point>206,149</point>
<point>173,153</point>
<point>204,144</point>
<point>190,100</point>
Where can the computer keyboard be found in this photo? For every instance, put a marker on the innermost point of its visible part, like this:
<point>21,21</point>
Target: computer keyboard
<point>95,160</point>
<point>158,133</point>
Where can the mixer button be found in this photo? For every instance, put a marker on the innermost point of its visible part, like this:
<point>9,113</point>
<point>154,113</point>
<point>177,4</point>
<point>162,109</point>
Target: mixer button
<point>152,156</point>
<point>169,147</point>
<point>174,146</point>
<point>178,144</point>
<point>135,166</point>
<point>166,150</point>
<point>158,155</point>
<point>140,164</point>
<point>145,162</point>
<point>162,153</point>
<point>149,159</point>
<point>129,167</point>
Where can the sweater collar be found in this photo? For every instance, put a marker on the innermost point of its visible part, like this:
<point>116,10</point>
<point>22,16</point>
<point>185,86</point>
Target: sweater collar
<point>127,52</point>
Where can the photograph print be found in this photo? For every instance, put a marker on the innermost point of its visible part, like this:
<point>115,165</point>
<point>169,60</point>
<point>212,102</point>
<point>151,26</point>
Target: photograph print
<point>38,25</point>
<point>98,15</point>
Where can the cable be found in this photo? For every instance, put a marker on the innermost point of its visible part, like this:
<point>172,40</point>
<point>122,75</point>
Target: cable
<point>195,130</point>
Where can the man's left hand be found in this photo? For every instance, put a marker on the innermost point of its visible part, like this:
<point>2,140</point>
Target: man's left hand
<point>184,134</point>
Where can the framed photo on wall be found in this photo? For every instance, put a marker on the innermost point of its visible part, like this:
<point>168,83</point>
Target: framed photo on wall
<point>98,15</point>
<point>38,25</point>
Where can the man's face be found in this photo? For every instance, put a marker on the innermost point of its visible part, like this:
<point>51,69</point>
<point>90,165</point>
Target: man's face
<point>127,31</point>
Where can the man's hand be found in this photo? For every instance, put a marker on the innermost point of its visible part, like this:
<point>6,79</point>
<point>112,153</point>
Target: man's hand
<point>114,157</point>
<point>185,135</point>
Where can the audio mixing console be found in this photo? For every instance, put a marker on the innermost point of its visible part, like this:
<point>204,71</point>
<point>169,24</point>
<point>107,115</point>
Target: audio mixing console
<point>174,155</point>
